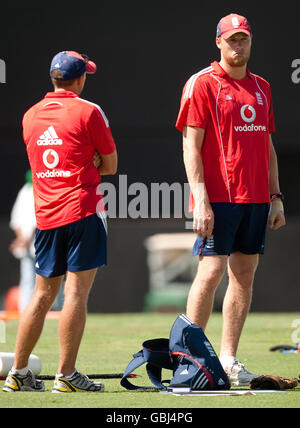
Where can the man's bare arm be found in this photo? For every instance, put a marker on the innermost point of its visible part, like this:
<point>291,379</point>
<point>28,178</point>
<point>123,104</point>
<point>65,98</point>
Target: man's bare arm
<point>276,215</point>
<point>203,215</point>
<point>106,164</point>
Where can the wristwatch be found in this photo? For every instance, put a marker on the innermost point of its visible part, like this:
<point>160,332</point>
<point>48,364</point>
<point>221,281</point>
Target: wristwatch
<point>278,195</point>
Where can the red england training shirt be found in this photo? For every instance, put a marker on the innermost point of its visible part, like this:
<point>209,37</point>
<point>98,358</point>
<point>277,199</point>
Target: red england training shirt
<point>62,133</point>
<point>237,116</point>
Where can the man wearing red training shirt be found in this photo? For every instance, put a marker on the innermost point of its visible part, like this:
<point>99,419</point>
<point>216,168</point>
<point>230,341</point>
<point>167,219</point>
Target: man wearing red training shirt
<point>69,146</point>
<point>226,117</point>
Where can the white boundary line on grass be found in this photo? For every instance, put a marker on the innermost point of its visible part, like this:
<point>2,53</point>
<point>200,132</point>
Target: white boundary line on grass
<point>220,393</point>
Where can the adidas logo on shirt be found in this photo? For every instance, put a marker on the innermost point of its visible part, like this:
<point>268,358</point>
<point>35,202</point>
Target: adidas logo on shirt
<point>49,138</point>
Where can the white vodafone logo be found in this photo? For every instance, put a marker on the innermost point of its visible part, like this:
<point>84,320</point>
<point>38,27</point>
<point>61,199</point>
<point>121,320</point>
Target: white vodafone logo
<point>50,158</point>
<point>248,113</point>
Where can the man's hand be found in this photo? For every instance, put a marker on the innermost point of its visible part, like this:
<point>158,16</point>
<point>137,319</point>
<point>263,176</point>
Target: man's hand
<point>276,215</point>
<point>97,160</point>
<point>19,242</point>
<point>203,223</point>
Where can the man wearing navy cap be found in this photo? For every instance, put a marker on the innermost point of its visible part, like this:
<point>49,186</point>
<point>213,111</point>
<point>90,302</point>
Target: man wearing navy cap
<point>226,117</point>
<point>69,146</point>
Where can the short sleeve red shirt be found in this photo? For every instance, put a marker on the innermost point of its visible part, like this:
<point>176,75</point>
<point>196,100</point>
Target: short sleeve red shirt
<point>237,116</point>
<point>62,132</point>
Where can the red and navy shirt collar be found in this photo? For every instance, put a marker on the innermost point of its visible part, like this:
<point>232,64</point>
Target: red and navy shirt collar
<point>61,94</point>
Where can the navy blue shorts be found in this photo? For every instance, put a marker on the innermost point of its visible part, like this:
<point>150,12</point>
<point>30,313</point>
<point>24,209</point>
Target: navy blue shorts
<point>74,247</point>
<point>238,227</point>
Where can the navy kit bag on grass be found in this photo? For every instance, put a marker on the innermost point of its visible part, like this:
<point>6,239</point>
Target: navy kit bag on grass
<point>187,352</point>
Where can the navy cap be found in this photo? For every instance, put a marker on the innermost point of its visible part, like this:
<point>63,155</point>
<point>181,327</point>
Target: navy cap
<point>71,64</point>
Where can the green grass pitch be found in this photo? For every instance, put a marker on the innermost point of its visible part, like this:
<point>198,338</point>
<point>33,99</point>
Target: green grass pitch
<point>111,339</point>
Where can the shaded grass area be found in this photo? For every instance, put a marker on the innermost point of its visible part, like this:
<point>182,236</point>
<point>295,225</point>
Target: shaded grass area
<point>111,339</point>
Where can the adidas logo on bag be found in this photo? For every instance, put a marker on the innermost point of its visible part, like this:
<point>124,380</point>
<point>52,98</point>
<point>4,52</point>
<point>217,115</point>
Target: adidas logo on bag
<point>49,138</point>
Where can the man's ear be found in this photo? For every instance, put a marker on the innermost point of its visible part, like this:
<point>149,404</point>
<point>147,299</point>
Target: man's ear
<point>218,42</point>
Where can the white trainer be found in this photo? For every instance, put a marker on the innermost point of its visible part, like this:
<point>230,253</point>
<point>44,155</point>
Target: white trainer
<point>238,375</point>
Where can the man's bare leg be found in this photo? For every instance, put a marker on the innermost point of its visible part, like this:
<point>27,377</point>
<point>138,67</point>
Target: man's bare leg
<point>32,319</point>
<point>201,296</point>
<point>73,318</point>
<point>237,300</point>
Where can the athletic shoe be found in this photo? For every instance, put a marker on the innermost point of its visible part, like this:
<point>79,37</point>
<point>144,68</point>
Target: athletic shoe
<point>16,382</point>
<point>238,375</point>
<point>77,383</point>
